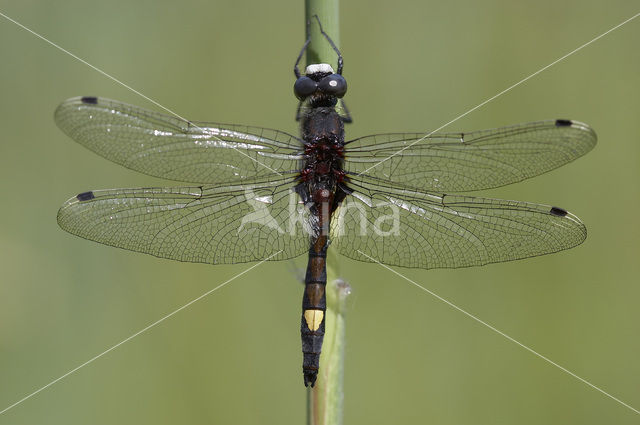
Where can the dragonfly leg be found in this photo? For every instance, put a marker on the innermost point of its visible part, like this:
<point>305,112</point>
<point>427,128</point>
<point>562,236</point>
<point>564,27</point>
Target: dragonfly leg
<point>335,48</point>
<point>296,70</point>
<point>346,118</point>
<point>298,113</point>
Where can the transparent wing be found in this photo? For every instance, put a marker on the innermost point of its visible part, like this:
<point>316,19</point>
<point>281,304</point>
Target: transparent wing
<point>411,228</point>
<point>210,224</point>
<point>164,146</point>
<point>469,161</point>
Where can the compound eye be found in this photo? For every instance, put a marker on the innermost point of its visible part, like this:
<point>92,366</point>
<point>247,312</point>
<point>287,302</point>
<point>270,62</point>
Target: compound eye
<point>333,84</point>
<point>304,87</point>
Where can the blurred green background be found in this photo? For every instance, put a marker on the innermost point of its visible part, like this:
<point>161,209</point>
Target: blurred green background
<point>234,357</point>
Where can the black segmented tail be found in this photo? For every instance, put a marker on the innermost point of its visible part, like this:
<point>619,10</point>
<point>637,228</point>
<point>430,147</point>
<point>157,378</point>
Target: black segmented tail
<point>314,306</point>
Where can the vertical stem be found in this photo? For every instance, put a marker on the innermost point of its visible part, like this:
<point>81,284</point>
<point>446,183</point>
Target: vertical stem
<point>325,400</point>
<point>319,50</point>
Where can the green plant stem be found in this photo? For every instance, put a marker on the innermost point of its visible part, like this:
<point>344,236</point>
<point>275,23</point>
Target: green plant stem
<point>319,50</point>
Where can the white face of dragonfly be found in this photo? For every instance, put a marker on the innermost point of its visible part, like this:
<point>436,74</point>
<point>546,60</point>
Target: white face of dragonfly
<point>318,67</point>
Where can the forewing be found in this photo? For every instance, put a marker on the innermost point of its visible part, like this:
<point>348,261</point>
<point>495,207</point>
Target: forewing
<point>210,224</point>
<point>164,146</point>
<point>409,228</point>
<point>459,162</point>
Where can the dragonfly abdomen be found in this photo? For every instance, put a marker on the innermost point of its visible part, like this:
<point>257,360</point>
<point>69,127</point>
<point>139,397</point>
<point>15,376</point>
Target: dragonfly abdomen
<point>314,302</point>
<point>314,305</point>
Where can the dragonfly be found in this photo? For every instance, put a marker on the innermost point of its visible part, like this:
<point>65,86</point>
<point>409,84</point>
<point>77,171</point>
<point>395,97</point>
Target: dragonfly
<point>255,194</point>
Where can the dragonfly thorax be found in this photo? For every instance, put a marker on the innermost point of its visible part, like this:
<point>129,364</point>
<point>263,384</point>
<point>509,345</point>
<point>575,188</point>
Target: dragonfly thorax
<point>323,134</point>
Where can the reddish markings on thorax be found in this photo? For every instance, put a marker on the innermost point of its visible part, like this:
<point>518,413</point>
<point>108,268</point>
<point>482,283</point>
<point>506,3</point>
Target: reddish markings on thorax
<point>324,162</point>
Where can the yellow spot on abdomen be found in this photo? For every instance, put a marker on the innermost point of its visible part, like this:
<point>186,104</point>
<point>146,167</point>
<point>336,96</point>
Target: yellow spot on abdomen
<point>313,318</point>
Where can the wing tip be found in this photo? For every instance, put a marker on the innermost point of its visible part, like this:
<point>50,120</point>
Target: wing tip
<point>59,114</point>
<point>560,122</point>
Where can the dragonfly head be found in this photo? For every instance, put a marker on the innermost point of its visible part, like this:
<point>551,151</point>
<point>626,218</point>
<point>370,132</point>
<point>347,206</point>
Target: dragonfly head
<point>321,84</point>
